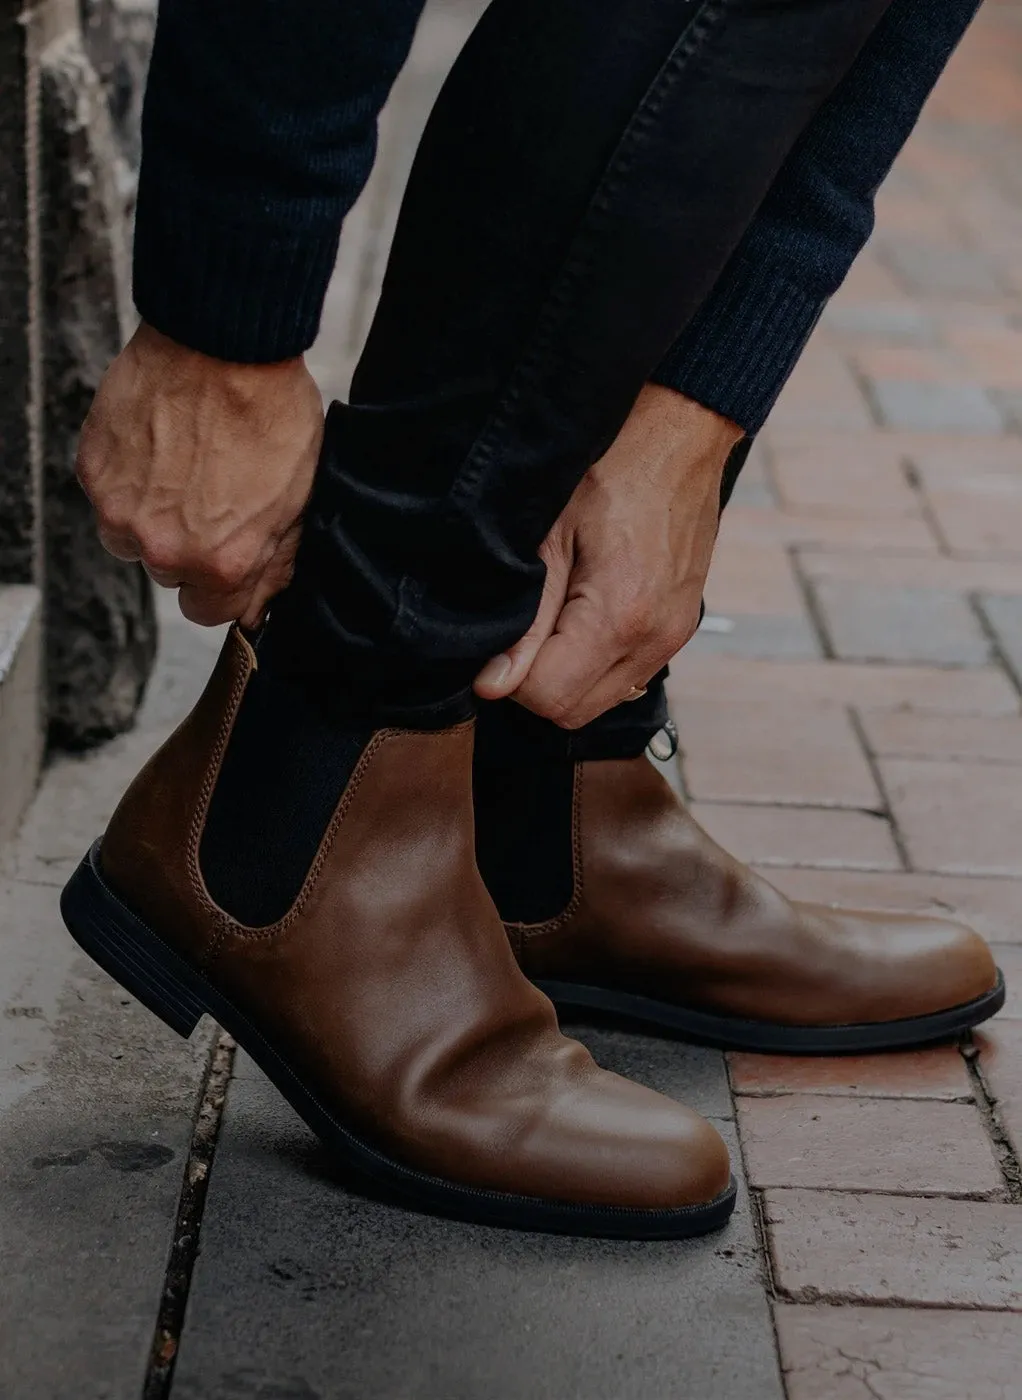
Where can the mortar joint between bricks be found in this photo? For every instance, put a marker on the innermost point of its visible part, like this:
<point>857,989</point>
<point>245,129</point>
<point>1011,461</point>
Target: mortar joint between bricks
<point>1000,655</point>
<point>886,809</point>
<point>914,478</point>
<point>805,587</point>
<point>757,1209</point>
<point>1004,1153</point>
<point>865,386</point>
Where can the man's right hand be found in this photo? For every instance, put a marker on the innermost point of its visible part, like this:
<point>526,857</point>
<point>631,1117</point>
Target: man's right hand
<point>201,469</point>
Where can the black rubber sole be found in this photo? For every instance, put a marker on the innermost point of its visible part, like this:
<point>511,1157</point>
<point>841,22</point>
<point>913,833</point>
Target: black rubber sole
<point>105,928</point>
<point>773,1038</point>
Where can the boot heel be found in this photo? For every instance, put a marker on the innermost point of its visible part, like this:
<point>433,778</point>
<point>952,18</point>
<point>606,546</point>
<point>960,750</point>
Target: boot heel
<point>123,947</point>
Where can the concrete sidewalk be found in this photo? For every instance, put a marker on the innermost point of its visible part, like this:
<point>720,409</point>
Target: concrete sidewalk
<point>850,721</point>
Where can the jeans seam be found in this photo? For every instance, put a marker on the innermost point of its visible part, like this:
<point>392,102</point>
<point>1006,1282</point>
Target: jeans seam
<point>481,454</point>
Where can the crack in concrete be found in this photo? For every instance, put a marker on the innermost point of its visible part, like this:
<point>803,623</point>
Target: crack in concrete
<point>191,1205</point>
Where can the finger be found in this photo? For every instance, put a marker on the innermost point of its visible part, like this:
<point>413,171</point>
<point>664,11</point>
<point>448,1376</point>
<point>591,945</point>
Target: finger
<point>273,579</point>
<point>163,578</point>
<point>503,675</point>
<point>209,609</point>
<point>624,684</point>
<point>120,544</point>
<point>617,686</point>
<point>571,663</point>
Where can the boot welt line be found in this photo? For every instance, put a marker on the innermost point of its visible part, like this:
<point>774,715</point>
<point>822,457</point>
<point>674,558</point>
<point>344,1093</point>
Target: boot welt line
<point>129,951</point>
<point>768,1037</point>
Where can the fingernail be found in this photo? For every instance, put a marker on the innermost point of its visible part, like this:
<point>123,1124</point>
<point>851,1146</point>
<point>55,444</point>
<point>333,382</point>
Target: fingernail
<point>495,672</point>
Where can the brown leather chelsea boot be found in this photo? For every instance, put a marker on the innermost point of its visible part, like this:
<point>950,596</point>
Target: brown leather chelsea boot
<point>385,1004</point>
<point>664,927</point>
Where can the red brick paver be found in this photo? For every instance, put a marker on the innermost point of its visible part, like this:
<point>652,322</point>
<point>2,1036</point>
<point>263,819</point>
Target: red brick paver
<point>855,1353</point>
<point>984,692</point>
<point>908,734</point>
<point>857,709</point>
<point>956,817</point>
<point>835,1245</point>
<point>939,1073</point>
<point>726,759</point>
<point>800,836</point>
<point>857,1144</point>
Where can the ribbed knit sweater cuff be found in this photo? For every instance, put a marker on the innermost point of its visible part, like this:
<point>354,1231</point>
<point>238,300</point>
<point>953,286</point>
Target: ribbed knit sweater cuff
<point>252,294</point>
<point>737,353</point>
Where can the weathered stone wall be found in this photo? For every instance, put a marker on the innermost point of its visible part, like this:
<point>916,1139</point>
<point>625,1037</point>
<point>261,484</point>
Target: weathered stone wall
<point>100,624</point>
<point>19,358</point>
<point>72,74</point>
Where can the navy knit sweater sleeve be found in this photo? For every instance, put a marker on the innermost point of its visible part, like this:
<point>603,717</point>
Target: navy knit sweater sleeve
<point>736,355</point>
<point>260,131</point>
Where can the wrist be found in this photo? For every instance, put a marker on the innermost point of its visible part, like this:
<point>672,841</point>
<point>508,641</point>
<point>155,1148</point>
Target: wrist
<point>169,367</point>
<point>669,443</point>
<point>155,346</point>
<point>691,425</point>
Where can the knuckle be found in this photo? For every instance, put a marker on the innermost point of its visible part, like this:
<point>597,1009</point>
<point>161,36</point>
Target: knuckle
<point>561,712</point>
<point>633,622</point>
<point>160,554</point>
<point>113,516</point>
<point>228,568</point>
<point>684,629</point>
<point>85,472</point>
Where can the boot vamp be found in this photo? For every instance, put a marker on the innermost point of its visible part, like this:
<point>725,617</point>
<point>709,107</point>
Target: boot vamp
<point>768,959</point>
<point>456,1067</point>
<point>666,912</point>
<point>393,991</point>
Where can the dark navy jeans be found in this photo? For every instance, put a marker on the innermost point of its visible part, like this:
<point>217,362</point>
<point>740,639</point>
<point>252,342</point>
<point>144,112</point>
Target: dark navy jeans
<point>585,175</point>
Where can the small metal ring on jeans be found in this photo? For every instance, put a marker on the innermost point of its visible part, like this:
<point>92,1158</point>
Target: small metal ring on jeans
<point>636,693</point>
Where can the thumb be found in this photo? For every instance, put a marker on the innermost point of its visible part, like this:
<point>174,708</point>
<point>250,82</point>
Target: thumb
<point>273,580</point>
<point>503,675</point>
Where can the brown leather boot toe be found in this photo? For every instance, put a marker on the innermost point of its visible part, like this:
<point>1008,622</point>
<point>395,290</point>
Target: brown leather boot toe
<point>666,928</point>
<point>386,1004</point>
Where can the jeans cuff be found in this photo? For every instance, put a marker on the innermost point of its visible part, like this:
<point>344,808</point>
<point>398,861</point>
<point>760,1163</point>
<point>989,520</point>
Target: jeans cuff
<point>508,734</point>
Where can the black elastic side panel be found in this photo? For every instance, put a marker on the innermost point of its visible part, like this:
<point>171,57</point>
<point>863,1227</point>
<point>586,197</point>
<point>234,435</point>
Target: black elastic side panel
<point>523,836</point>
<point>284,771</point>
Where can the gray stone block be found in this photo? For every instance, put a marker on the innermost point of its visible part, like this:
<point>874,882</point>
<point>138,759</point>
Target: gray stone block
<point>96,1108</point>
<point>21,740</point>
<point>20,476</point>
<point>867,622</point>
<point>304,1290</point>
<point>96,1098</point>
<point>118,38</point>
<point>783,638</point>
<point>910,404</point>
<point>101,629</point>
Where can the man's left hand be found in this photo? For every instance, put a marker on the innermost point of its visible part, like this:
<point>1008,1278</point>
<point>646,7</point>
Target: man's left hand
<point>626,565</point>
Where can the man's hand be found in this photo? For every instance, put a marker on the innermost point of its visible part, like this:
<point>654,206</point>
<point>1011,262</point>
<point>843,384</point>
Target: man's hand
<point>626,564</point>
<point>201,469</point>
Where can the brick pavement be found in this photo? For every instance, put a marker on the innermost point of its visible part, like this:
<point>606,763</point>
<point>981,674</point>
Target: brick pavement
<point>866,616</point>
<point>851,720</point>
